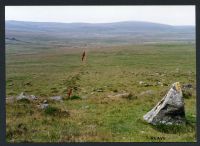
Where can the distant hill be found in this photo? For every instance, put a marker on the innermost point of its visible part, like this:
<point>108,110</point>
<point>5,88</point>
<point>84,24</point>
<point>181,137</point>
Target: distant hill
<point>99,33</point>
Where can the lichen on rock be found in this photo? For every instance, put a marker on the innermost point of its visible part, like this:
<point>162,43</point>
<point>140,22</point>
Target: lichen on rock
<point>170,110</point>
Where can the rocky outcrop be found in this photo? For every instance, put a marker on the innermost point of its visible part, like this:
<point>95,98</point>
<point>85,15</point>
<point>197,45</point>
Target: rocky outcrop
<point>170,110</point>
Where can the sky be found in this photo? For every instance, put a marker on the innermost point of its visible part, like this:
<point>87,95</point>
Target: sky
<point>172,15</point>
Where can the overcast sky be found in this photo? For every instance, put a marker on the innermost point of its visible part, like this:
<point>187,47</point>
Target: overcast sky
<point>173,15</point>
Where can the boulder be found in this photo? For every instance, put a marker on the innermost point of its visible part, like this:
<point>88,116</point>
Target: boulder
<point>170,110</point>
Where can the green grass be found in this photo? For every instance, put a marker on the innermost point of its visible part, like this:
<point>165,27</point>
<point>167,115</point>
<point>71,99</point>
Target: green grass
<point>51,110</point>
<point>51,72</point>
<point>75,97</point>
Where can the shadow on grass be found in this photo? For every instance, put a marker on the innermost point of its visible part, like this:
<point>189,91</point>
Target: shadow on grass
<point>75,97</point>
<point>24,101</point>
<point>188,126</point>
<point>54,111</point>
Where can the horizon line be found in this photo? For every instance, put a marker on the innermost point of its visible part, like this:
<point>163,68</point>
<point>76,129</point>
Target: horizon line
<point>99,22</point>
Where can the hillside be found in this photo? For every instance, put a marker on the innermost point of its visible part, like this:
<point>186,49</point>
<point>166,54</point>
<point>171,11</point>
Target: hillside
<point>97,33</point>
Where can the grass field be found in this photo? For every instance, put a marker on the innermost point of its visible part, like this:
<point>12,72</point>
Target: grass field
<point>49,71</point>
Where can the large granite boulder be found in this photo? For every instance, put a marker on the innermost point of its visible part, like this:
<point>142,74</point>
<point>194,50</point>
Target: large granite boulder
<point>170,110</point>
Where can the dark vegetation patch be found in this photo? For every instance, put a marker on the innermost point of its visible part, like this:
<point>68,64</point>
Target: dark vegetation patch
<point>24,100</point>
<point>175,129</point>
<point>187,93</point>
<point>75,97</point>
<point>19,129</point>
<point>54,111</point>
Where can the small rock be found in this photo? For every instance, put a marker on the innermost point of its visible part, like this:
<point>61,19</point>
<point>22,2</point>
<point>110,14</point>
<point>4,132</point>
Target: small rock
<point>45,101</point>
<point>147,85</point>
<point>33,97</point>
<point>160,83</point>
<point>56,98</point>
<point>11,84</point>
<point>22,96</point>
<point>141,82</point>
<point>87,106</point>
<point>99,90</point>
<point>43,106</point>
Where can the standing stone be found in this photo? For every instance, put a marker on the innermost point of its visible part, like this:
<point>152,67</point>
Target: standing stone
<point>170,110</point>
